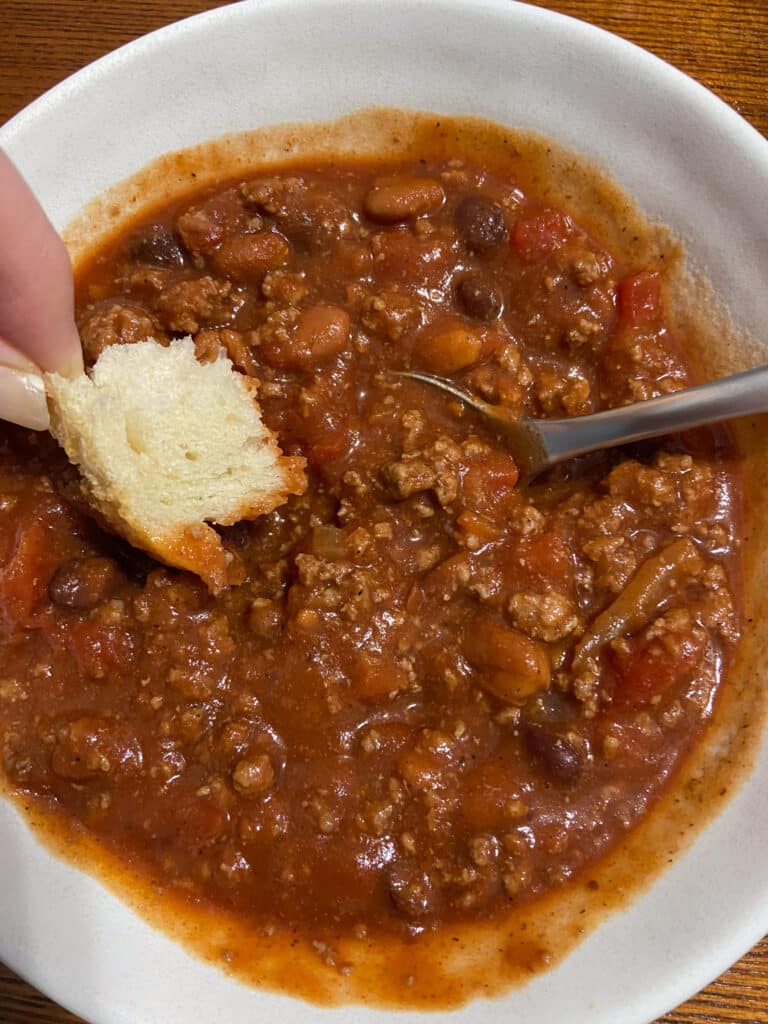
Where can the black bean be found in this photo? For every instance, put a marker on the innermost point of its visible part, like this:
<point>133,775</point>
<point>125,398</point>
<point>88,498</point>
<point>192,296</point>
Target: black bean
<point>559,755</point>
<point>156,245</point>
<point>238,536</point>
<point>480,223</point>
<point>479,299</point>
<point>83,583</point>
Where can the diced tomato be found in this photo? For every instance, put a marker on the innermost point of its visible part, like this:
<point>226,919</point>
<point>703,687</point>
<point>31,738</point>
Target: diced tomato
<point>407,259</point>
<point>329,450</point>
<point>375,677</point>
<point>484,528</point>
<point>649,668</point>
<point>542,560</point>
<point>100,651</point>
<point>535,238</point>
<point>632,743</point>
<point>197,819</point>
<point>324,433</point>
<point>489,482</point>
<point>25,578</point>
<point>489,790</point>
<point>639,298</point>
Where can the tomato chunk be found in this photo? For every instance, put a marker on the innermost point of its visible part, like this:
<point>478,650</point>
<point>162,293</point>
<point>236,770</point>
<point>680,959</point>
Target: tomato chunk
<point>374,677</point>
<point>40,544</point>
<point>535,238</point>
<point>489,482</point>
<point>99,651</point>
<point>541,561</point>
<point>639,298</point>
<point>491,791</point>
<point>649,668</point>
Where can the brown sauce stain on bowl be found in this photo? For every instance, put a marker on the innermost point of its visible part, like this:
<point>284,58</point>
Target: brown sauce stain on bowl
<point>445,969</point>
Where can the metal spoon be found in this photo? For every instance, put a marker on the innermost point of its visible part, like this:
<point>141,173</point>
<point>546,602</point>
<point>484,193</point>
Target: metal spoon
<point>538,444</point>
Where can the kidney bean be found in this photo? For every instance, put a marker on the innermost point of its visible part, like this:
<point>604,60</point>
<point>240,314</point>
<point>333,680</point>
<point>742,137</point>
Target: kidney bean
<point>549,708</point>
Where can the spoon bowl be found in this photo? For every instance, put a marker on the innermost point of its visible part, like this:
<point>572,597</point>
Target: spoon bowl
<point>537,444</point>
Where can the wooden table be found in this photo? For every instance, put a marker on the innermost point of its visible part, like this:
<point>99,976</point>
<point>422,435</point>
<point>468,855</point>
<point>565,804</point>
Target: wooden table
<point>720,42</point>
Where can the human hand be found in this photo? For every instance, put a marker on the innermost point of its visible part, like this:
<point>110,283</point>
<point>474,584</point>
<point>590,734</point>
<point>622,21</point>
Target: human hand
<point>37,326</point>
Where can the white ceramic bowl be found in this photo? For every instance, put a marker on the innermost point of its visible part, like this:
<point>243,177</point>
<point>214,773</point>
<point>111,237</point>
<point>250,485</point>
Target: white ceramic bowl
<point>687,158</point>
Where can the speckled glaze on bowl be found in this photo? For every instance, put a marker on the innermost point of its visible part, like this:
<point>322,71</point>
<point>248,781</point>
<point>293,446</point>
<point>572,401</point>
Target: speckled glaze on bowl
<point>688,160</point>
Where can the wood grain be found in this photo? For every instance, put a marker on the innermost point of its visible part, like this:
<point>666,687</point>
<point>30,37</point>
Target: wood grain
<point>719,42</point>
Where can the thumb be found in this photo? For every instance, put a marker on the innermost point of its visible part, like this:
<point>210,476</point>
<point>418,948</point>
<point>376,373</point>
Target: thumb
<point>36,288</point>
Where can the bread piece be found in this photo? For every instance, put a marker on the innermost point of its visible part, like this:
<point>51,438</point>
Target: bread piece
<point>166,444</point>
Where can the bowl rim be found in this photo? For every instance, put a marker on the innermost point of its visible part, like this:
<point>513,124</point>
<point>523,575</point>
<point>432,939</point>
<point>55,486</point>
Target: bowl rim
<point>739,936</point>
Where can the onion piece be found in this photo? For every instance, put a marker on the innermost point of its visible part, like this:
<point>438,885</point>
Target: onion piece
<point>634,608</point>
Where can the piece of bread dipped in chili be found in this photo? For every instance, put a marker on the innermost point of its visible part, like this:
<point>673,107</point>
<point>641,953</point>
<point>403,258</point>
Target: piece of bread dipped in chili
<point>167,445</point>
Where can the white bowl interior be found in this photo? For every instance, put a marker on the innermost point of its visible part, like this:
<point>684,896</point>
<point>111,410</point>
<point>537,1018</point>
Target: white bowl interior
<point>689,161</point>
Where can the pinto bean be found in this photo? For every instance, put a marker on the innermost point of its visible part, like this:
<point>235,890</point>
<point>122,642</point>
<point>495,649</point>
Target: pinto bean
<point>203,228</point>
<point>403,199</point>
<point>321,333</point>
<point>448,348</point>
<point>246,258</point>
<point>512,666</point>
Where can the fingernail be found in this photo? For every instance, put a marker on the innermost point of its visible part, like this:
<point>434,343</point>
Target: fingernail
<point>22,399</point>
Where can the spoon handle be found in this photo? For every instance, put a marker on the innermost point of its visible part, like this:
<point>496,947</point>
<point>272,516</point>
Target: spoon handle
<point>743,394</point>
